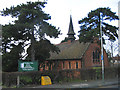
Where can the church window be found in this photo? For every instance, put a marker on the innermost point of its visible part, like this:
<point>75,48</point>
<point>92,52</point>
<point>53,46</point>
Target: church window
<point>69,65</point>
<point>63,64</point>
<point>96,56</point>
<point>76,65</point>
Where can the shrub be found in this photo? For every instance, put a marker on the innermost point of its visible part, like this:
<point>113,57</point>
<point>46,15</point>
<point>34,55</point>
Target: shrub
<point>10,78</point>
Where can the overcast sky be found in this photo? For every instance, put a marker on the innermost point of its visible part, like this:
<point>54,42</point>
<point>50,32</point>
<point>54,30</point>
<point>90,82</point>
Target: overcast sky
<point>60,11</point>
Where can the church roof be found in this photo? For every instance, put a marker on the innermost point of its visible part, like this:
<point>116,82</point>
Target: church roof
<point>70,50</point>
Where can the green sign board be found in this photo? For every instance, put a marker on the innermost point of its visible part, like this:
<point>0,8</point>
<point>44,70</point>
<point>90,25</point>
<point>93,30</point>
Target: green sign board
<point>27,66</point>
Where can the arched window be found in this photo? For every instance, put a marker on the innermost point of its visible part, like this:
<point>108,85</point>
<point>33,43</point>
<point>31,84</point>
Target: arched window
<point>96,55</point>
<point>63,64</point>
<point>76,65</point>
<point>69,65</point>
<point>93,56</point>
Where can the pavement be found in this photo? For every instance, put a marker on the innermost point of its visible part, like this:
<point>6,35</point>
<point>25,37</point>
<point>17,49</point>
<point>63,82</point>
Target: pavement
<point>85,84</point>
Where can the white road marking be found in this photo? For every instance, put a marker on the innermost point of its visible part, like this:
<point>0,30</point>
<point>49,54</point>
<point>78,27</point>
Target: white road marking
<point>81,85</point>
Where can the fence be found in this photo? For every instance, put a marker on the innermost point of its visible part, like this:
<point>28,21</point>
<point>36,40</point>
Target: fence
<point>30,78</point>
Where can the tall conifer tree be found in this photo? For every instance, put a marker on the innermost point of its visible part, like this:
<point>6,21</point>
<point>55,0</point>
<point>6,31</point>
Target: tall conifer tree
<point>90,25</point>
<point>31,26</point>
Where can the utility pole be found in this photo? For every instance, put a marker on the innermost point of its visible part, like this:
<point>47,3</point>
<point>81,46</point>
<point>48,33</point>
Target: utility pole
<point>112,52</point>
<point>111,49</point>
<point>102,58</point>
<point>119,29</point>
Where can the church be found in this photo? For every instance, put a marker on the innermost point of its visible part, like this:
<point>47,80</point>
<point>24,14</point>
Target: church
<point>75,55</point>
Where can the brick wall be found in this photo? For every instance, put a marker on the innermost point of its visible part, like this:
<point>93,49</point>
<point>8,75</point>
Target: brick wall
<point>87,60</point>
<point>72,62</point>
<point>88,57</point>
<point>65,66</point>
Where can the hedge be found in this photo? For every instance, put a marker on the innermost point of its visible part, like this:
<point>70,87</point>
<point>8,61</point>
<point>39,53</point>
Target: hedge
<point>30,78</point>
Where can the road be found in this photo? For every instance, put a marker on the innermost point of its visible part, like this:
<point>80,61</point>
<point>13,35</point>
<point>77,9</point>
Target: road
<point>107,87</point>
<point>90,84</point>
<point>0,87</point>
<point>84,87</point>
<point>111,86</point>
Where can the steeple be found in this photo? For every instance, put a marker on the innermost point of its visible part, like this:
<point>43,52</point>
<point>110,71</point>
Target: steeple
<point>71,32</point>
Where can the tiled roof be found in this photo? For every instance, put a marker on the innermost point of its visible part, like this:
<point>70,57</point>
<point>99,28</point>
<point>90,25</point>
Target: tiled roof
<point>70,50</point>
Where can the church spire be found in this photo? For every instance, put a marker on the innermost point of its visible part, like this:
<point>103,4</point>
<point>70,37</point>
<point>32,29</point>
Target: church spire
<point>71,32</point>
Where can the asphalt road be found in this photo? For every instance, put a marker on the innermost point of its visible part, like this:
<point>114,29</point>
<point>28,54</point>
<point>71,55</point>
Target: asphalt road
<point>84,87</point>
<point>89,84</point>
<point>111,86</point>
<point>107,87</point>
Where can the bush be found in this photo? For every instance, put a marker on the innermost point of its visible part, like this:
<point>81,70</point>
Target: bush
<point>30,78</point>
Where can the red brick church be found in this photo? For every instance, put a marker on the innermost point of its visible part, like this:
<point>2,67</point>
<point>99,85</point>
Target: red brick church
<point>75,55</point>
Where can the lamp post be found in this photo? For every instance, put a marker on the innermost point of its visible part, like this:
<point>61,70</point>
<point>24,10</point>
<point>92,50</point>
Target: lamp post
<point>102,58</point>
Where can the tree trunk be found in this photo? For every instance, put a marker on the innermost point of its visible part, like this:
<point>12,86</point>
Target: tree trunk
<point>32,46</point>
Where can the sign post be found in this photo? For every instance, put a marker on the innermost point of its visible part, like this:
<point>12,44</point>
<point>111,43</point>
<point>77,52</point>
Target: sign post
<point>102,57</point>
<point>24,66</point>
<point>18,81</point>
